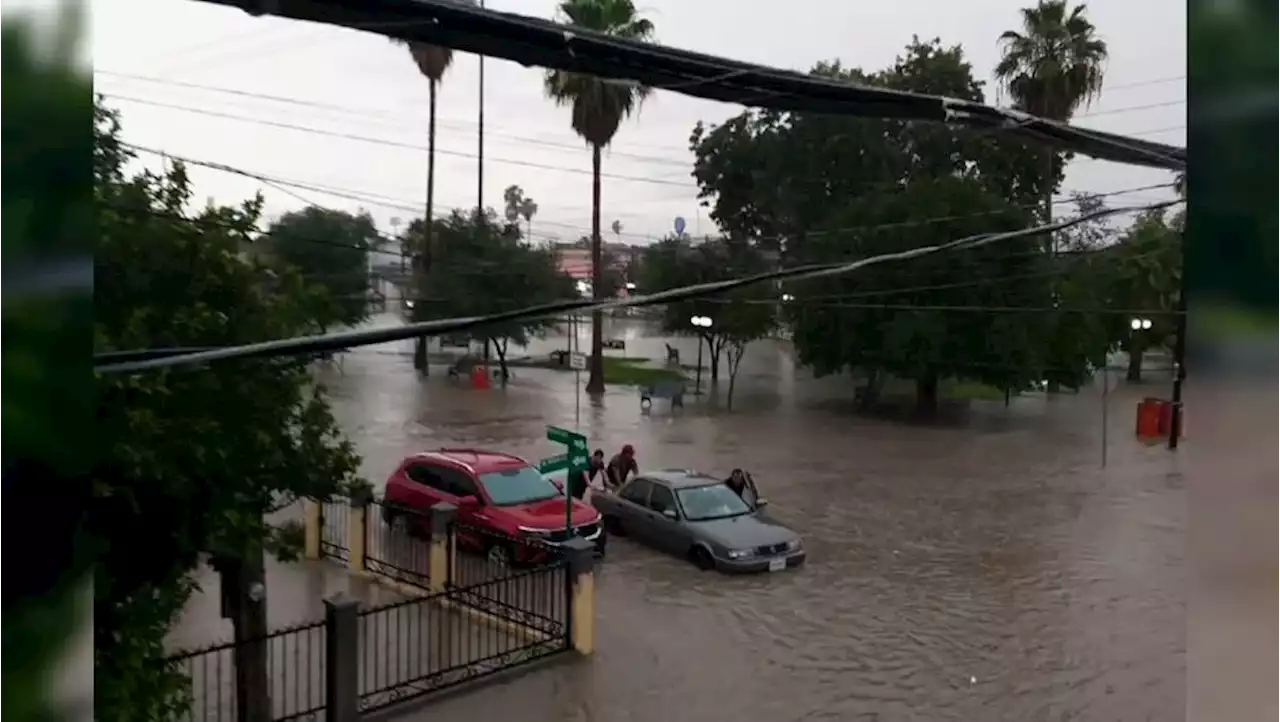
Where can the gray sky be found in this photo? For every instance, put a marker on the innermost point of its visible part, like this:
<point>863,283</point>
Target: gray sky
<point>358,84</point>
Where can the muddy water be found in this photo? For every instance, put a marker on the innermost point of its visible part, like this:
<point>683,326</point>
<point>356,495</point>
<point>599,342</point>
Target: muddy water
<point>987,572</point>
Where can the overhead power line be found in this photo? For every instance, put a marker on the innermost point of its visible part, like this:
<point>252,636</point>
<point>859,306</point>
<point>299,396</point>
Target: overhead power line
<point>371,114</point>
<point>351,195</point>
<point>350,339</point>
<point>357,137</point>
<point>533,41</point>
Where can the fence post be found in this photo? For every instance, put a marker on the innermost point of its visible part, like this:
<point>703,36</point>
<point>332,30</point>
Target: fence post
<point>312,524</point>
<point>440,553</point>
<point>342,659</point>
<point>580,554</point>
<point>357,528</point>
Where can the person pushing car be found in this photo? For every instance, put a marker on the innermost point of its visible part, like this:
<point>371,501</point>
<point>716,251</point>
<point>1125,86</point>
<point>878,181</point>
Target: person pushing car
<point>622,464</point>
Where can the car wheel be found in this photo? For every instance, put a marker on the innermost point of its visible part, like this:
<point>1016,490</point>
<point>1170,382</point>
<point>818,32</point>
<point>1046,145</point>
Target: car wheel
<point>702,558</point>
<point>499,555</point>
<point>613,527</point>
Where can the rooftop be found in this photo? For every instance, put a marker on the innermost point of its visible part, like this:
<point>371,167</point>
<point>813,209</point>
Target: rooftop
<point>479,461</point>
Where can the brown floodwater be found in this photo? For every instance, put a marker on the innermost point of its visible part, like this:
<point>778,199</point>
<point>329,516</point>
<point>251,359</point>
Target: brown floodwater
<point>991,570</point>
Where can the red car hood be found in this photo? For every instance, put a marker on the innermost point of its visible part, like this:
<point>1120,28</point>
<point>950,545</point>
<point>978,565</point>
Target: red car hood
<point>549,514</point>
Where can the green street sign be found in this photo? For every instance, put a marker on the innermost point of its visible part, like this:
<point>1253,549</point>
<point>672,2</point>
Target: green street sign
<point>571,439</point>
<point>555,463</point>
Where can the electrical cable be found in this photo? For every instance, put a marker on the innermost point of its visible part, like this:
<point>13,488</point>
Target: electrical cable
<point>349,339</point>
<point>809,234</point>
<point>534,41</point>
<point>352,196</point>
<point>367,115</point>
<point>690,185</point>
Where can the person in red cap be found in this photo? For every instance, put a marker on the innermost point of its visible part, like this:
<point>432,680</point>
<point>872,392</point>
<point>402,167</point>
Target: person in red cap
<point>620,466</point>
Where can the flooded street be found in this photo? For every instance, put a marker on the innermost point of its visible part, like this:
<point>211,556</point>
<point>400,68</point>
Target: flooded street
<point>987,572</point>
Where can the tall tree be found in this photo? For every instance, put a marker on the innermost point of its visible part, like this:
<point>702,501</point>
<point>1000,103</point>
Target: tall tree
<point>191,463</point>
<point>813,188</point>
<point>1051,68</point>
<point>481,249</point>
<point>330,249</point>
<point>598,108</point>
<point>432,62</point>
<point>737,318</point>
<point>517,205</point>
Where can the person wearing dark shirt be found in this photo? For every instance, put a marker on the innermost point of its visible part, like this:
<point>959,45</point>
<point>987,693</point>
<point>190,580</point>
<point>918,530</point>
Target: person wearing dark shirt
<point>624,463</point>
<point>743,486</point>
<point>595,465</point>
<point>582,480</point>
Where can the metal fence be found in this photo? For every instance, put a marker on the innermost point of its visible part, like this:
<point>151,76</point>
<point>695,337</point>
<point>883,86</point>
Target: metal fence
<point>295,661</point>
<point>334,516</point>
<point>397,543</point>
<point>524,581</point>
<point>415,647</point>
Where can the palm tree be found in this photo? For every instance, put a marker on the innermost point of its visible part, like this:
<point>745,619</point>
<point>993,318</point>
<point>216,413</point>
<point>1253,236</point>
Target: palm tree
<point>1052,68</point>
<point>598,108</point>
<point>432,62</point>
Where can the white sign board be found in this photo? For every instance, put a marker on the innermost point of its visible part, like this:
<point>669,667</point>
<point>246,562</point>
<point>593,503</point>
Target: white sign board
<point>577,361</point>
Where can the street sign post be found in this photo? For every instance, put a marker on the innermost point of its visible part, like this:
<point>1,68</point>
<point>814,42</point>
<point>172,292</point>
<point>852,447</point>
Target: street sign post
<point>577,362</point>
<point>573,461</point>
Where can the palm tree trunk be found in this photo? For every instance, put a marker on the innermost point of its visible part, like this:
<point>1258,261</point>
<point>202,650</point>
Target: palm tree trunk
<point>420,358</point>
<point>595,379</point>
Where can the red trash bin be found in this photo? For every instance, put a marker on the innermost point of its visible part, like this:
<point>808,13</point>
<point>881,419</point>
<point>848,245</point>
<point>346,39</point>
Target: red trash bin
<point>1148,418</point>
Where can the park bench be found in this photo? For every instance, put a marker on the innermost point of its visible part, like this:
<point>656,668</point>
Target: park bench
<point>671,390</point>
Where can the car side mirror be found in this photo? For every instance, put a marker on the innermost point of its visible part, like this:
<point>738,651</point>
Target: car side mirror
<point>670,514</point>
<point>468,502</point>
<point>762,503</point>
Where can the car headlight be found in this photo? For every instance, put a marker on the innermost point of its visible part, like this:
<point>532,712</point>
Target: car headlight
<point>795,545</point>
<point>740,553</point>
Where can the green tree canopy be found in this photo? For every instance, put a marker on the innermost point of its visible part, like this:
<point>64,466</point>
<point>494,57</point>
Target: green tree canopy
<point>823,188</point>
<point>330,249</point>
<point>481,267</point>
<point>192,460</point>
<point>737,318</point>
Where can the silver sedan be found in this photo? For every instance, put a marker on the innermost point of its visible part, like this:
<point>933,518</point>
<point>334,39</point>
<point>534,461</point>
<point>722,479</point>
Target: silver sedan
<point>698,517</point>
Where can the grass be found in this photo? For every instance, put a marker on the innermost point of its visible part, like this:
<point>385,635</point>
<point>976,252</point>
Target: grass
<point>629,372</point>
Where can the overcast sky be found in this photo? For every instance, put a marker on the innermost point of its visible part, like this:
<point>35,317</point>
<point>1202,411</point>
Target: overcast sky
<point>368,103</point>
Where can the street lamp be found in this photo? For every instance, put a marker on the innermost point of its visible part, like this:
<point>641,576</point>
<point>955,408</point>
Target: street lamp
<point>699,322</point>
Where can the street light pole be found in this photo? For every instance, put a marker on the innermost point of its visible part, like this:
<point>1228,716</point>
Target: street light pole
<point>697,383</point>
<point>699,322</point>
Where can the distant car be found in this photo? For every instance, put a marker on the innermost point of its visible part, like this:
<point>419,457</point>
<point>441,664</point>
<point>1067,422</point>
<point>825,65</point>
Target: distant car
<point>698,517</point>
<point>615,343</point>
<point>501,495</point>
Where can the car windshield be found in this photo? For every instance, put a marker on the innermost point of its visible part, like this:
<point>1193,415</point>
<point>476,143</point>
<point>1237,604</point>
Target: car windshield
<point>517,486</point>
<point>713,501</point>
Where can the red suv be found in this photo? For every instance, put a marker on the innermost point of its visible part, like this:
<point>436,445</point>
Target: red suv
<point>494,492</point>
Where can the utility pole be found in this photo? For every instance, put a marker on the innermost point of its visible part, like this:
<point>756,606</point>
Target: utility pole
<point>244,602</point>
<point>480,175</point>
<point>1179,358</point>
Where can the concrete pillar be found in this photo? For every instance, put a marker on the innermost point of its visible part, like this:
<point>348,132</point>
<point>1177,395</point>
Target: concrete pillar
<point>580,554</point>
<point>312,523</point>
<point>342,659</point>
<point>440,553</point>
<point>358,528</point>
